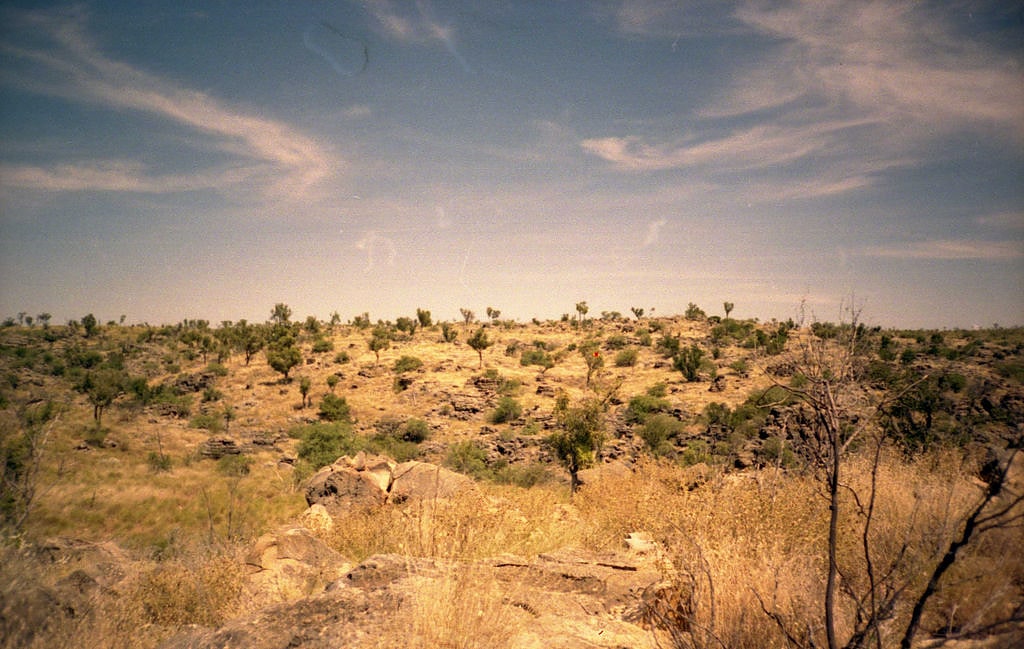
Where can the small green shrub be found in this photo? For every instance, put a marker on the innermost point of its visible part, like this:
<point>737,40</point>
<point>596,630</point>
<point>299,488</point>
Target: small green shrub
<point>322,444</point>
<point>407,364</point>
<point>416,431</point>
<point>656,432</point>
<point>615,341</point>
<point>626,358</point>
<point>217,369</point>
<point>342,357</point>
<point>158,462</point>
<point>508,410</point>
<point>208,421</point>
<point>234,465</point>
<point>642,406</point>
<point>322,345</point>
<point>335,408</point>
<point>468,458</point>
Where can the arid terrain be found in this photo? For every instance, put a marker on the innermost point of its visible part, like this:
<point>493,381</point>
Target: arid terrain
<point>609,481</point>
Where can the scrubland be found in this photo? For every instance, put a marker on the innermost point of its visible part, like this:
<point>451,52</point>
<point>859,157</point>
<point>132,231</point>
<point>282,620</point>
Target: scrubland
<point>738,503</point>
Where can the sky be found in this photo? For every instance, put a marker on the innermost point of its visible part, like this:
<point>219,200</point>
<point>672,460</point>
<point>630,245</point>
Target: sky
<point>168,161</point>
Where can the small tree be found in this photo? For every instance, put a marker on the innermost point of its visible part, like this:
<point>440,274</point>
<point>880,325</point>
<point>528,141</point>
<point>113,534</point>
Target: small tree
<point>21,458</point>
<point>424,317</point>
<point>479,341</point>
<point>305,383</point>
<point>102,387</point>
<point>688,361</point>
<point>694,312</point>
<point>728,306</point>
<point>591,353</point>
<point>448,332</point>
<point>281,314</point>
<point>493,314</point>
<point>581,311</point>
<point>89,324</point>
<point>467,316</point>
<point>379,341</point>
<point>283,357</point>
<point>580,437</point>
<point>332,382</point>
<point>637,312</point>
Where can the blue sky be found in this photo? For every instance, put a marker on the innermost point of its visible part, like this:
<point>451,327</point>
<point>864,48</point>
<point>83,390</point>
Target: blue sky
<point>207,160</point>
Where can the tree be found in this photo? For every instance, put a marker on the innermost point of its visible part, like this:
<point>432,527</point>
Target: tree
<point>424,317</point>
<point>728,306</point>
<point>479,341</point>
<point>89,324</point>
<point>493,314</point>
<point>305,383</point>
<point>467,316</point>
<point>687,361</point>
<point>281,314</point>
<point>591,353</point>
<point>283,356</point>
<point>448,332</point>
<point>638,312</point>
<point>44,318</point>
<point>694,312</point>
<point>332,382</point>
<point>102,387</point>
<point>408,325</point>
<point>581,311</point>
<point>580,437</point>
<point>379,341</point>
<point>247,338</point>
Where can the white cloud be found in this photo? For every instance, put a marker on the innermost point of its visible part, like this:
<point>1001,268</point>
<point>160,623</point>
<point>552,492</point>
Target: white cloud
<point>282,161</point>
<point>949,249</point>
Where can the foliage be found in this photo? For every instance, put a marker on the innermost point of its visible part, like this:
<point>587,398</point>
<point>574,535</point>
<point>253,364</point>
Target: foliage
<point>379,341</point>
<point>626,358</point>
<point>591,353</point>
<point>642,406</point>
<point>423,316</point>
<point>283,356</point>
<point>508,409</point>
<point>657,431</point>
<point>479,342</point>
<point>581,434</point>
<point>688,362</point>
<point>321,444</point>
<point>448,332</point>
<point>407,364</point>
<point>537,357</point>
<point>694,312</point>
<point>335,408</point>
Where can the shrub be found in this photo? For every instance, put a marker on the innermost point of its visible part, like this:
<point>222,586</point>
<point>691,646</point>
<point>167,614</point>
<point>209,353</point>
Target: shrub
<point>407,364</point>
<point>694,312</point>
<point>616,341</point>
<point>158,462</point>
<point>416,431</point>
<point>508,409</point>
<point>626,358</point>
<point>234,465</point>
<point>335,408</point>
<point>342,357</point>
<point>322,345</point>
<point>322,444</point>
<point>642,406</point>
<point>537,357</point>
<point>468,458</point>
<point>208,421</point>
<point>656,432</point>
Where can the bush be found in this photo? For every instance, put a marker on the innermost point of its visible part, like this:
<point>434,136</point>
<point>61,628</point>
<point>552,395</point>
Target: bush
<point>642,406</point>
<point>158,462</point>
<point>208,421</point>
<point>217,369</point>
<point>656,432</point>
<point>508,410</point>
<point>626,358</point>
<point>407,364</point>
<point>537,357</point>
<point>322,444</point>
<point>322,345</point>
<point>416,431</point>
<point>616,341</point>
<point>341,357</point>
<point>234,465</point>
<point>468,458</point>
<point>335,408</point>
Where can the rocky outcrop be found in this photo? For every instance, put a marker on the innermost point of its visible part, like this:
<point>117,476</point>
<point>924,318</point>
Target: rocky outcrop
<point>290,563</point>
<point>367,481</point>
<point>215,448</point>
<point>565,599</point>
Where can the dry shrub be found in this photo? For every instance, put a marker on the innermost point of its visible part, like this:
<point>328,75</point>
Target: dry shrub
<point>474,524</point>
<point>462,610</point>
<point>203,590</point>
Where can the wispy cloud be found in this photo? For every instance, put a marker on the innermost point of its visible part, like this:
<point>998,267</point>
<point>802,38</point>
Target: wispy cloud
<point>950,249</point>
<point>415,23</point>
<point>653,231</point>
<point>378,249</point>
<point>283,161</point>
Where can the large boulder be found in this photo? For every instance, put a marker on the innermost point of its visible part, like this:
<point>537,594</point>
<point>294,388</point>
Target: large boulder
<point>291,563</point>
<point>372,480</point>
<point>420,480</point>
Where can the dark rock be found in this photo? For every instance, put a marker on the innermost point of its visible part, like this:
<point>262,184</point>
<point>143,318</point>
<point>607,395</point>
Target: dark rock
<point>215,448</point>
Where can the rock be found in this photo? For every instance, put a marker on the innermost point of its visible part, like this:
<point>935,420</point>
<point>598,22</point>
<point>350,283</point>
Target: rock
<point>420,480</point>
<point>317,519</point>
<point>608,470</point>
<point>717,385</point>
<point>215,448</point>
<point>291,563</point>
<point>371,481</point>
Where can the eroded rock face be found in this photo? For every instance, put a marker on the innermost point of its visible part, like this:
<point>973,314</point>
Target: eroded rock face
<point>369,480</point>
<point>291,563</point>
